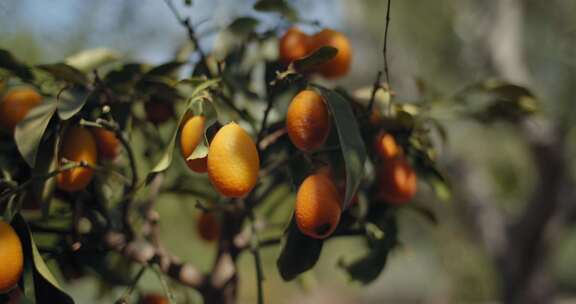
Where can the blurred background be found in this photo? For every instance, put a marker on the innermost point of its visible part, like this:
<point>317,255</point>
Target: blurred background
<point>435,49</point>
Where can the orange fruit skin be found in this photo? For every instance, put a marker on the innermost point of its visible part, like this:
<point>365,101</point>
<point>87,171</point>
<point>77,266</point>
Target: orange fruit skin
<point>107,142</point>
<point>153,298</point>
<point>293,45</point>
<point>78,145</point>
<point>397,181</point>
<point>12,257</point>
<point>308,121</point>
<point>233,161</point>
<point>158,112</point>
<point>191,135</point>
<point>15,105</point>
<point>340,64</point>
<point>386,146</point>
<point>208,227</point>
<point>318,206</point>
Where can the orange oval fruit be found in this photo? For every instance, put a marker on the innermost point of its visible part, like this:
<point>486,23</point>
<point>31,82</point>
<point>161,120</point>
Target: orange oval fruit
<point>340,64</point>
<point>208,226</point>
<point>293,45</point>
<point>191,135</point>
<point>386,146</point>
<point>12,257</point>
<point>107,142</point>
<point>308,121</point>
<point>78,145</point>
<point>397,181</point>
<point>153,298</point>
<point>318,206</point>
<point>233,161</point>
<point>15,105</point>
<point>158,112</point>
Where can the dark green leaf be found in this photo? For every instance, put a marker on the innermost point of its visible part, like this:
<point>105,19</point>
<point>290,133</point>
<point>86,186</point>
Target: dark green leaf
<point>277,6</point>
<point>165,69</point>
<point>71,102</point>
<point>64,72</point>
<point>10,63</point>
<point>45,287</point>
<point>319,56</point>
<point>383,237</point>
<point>351,143</point>
<point>299,253</point>
<point>28,133</point>
<point>243,26</point>
<point>188,2</point>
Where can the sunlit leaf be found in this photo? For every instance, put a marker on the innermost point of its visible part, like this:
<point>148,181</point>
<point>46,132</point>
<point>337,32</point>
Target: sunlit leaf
<point>350,139</point>
<point>10,63</point>
<point>64,72</point>
<point>71,102</point>
<point>299,253</point>
<point>88,60</point>
<point>28,133</point>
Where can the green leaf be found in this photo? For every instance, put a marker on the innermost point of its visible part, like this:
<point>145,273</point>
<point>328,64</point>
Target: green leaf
<point>382,237</point>
<point>64,72</point>
<point>43,287</point>
<point>243,26</point>
<point>277,6</point>
<point>71,102</point>
<point>43,189</point>
<point>28,133</point>
<point>351,143</point>
<point>319,56</point>
<point>10,63</point>
<point>168,154</point>
<point>88,60</point>
<point>299,253</point>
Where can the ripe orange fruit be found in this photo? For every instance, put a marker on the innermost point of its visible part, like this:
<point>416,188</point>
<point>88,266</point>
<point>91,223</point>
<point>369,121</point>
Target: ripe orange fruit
<point>153,298</point>
<point>308,121</point>
<point>386,146</point>
<point>318,206</point>
<point>191,135</point>
<point>158,112</point>
<point>208,226</point>
<point>397,181</point>
<point>15,105</point>
<point>233,161</point>
<point>340,64</point>
<point>78,145</point>
<point>107,142</point>
<point>11,256</point>
<point>293,45</point>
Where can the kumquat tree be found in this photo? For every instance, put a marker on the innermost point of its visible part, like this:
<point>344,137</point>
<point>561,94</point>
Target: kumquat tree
<point>257,165</point>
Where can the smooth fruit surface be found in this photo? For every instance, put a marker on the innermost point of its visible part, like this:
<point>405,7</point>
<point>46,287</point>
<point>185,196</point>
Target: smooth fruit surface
<point>78,145</point>
<point>308,121</point>
<point>340,64</point>
<point>293,45</point>
<point>208,226</point>
<point>11,257</point>
<point>191,135</point>
<point>386,146</point>
<point>153,298</point>
<point>397,181</point>
<point>233,161</point>
<point>318,206</point>
<point>107,142</point>
<point>15,105</point>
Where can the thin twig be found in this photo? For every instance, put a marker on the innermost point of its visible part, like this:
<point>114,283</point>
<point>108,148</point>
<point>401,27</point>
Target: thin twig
<point>385,49</point>
<point>130,290</point>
